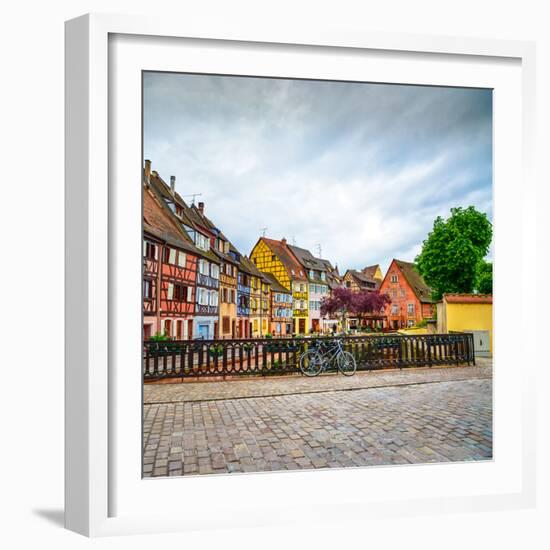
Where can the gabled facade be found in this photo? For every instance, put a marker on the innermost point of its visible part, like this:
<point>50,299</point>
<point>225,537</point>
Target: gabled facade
<point>258,309</point>
<point>281,320</point>
<point>229,258</point>
<point>317,274</point>
<point>275,257</point>
<point>358,280</point>
<point>411,298</point>
<point>169,272</point>
<point>200,237</point>
<point>243,300</point>
<point>373,272</point>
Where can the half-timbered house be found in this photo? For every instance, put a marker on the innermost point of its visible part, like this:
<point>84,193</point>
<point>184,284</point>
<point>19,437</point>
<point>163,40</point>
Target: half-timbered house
<point>317,276</point>
<point>205,322</point>
<point>169,272</point>
<point>275,257</point>
<point>411,298</point>
<point>281,308</point>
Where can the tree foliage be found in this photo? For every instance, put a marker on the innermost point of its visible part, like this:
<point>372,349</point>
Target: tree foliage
<point>343,301</point>
<point>484,281</point>
<point>453,251</point>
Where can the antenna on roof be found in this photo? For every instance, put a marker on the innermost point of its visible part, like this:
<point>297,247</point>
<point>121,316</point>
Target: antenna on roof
<point>293,240</point>
<point>319,249</point>
<point>263,230</point>
<point>192,195</point>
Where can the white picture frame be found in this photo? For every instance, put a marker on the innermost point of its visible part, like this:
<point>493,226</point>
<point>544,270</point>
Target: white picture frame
<point>103,494</point>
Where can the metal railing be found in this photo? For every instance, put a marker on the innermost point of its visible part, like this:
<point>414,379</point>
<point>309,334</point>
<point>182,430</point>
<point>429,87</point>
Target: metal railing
<point>265,356</point>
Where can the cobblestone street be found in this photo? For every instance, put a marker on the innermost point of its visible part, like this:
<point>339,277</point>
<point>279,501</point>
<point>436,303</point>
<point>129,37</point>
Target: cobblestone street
<point>373,418</point>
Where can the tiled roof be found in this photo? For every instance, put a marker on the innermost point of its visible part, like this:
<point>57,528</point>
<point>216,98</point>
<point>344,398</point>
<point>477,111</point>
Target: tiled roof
<point>468,298</point>
<point>276,286</point>
<point>281,250</point>
<point>370,270</point>
<point>362,279</point>
<point>307,259</point>
<point>248,266</point>
<point>158,222</point>
<point>163,191</point>
<point>416,282</point>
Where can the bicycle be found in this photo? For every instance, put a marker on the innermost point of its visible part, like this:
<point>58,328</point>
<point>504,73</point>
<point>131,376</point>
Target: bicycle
<point>321,355</point>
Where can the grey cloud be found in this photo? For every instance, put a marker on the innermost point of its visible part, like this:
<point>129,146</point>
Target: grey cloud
<point>362,169</point>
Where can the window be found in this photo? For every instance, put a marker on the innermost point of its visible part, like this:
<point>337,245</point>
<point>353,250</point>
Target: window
<point>203,267</point>
<point>215,271</point>
<point>410,309</point>
<point>181,258</point>
<point>394,309</point>
<point>170,255</point>
<point>323,276</point>
<point>202,241</point>
<point>149,250</point>
<point>311,274</point>
<point>394,279</point>
<point>348,284</point>
<point>213,298</point>
<point>225,325</point>
<point>170,291</point>
<point>180,293</point>
<point>148,288</point>
<point>224,296</point>
<point>273,258</point>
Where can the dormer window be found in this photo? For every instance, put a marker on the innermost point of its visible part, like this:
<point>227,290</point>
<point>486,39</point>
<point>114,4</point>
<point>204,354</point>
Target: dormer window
<point>393,279</point>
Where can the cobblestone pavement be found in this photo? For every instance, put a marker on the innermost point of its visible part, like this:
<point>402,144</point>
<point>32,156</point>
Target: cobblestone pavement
<point>442,421</point>
<point>232,389</point>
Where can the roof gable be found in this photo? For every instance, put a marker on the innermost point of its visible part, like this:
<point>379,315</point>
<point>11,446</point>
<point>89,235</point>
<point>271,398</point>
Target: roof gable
<point>291,264</point>
<point>415,281</point>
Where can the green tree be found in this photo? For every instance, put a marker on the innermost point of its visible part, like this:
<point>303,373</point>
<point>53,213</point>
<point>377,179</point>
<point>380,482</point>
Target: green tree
<point>453,251</point>
<point>484,280</point>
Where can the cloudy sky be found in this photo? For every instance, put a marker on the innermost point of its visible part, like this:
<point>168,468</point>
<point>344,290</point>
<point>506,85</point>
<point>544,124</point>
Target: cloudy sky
<point>360,169</point>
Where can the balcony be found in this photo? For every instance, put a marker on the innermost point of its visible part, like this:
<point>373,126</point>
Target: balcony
<point>243,289</point>
<point>205,280</point>
<point>243,311</point>
<point>206,310</point>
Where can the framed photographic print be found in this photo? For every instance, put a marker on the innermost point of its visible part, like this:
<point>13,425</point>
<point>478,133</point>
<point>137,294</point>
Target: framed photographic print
<point>287,259</point>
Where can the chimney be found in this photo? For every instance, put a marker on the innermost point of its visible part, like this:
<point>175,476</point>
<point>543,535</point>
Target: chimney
<point>147,172</point>
<point>201,207</point>
<point>173,184</point>
<point>283,240</point>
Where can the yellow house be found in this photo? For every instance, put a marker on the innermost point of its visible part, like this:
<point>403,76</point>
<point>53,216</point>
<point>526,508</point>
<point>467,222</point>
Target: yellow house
<point>468,313</point>
<point>256,279</point>
<point>271,256</point>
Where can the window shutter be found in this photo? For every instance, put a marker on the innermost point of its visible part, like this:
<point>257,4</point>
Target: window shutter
<point>172,257</point>
<point>170,291</point>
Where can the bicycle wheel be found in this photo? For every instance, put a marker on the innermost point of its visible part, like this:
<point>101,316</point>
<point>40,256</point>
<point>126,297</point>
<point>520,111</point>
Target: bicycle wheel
<point>346,363</point>
<point>311,363</point>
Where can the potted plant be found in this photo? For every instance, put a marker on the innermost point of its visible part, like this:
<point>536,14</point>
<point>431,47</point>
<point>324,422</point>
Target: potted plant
<point>215,350</point>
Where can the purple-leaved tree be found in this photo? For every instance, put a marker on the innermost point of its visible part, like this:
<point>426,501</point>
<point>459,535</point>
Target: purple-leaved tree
<point>343,301</point>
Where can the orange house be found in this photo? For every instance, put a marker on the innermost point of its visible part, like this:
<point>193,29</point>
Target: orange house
<point>411,298</point>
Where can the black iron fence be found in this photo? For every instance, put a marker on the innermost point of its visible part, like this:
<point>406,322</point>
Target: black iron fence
<point>263,356</point>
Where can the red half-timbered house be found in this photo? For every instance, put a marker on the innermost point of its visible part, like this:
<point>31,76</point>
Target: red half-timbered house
<point>411,298</point>
<point>207,281</point>
<point>169,273</point>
